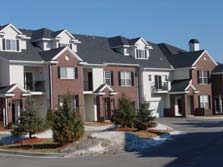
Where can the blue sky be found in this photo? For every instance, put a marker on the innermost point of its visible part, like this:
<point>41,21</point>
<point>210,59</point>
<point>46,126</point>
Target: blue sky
<point>170,21</point>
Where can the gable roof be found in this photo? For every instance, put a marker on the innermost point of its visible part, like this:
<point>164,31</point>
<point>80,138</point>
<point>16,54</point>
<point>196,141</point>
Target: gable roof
<point>179,58</point>
<point>50,54</point>
<point>218,69</point>
<point>179,85</point>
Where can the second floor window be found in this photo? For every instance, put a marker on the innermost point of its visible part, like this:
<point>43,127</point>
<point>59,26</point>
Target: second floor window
<point>108,78</point>
<point>10,44</point>
<point>67,72</point>
<point>203,76</point>
<point>126,79</point>
<point>64,45</point>
<point>141,54</point>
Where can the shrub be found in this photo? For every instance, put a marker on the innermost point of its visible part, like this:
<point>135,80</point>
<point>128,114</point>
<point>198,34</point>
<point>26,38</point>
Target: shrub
<point>49,118</point>
<point>125,114</point>
<point>67,125</point>
<point>144,118</point>
<point>29,121</point>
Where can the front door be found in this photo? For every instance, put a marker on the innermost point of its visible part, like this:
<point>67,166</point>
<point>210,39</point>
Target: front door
<point>107,108</point>
<point>192,105</point>
<point>16,107</point>
<point>13,114</point>
<point>158,82</point>
<point>179,103</point>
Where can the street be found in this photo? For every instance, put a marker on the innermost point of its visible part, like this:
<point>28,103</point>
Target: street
<point>200,146</point>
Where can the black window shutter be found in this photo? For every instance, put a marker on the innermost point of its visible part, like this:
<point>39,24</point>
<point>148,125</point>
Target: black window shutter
<point>3,43</point>
<point>199,103</point>
<point>119,78</point>
<point>17,43</point>
<point>58,72</point>
<point>76,72</point>
<point>112,78</point>
<point>208,73</point>
<point>209,101</point>
<point>58,45</point>
<point>198,77</point>
<point>71,46</point>
<point>132,78</point>
<point>77,100</point>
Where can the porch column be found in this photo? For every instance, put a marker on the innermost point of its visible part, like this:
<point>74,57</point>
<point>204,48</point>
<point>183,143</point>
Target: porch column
<point>185,106</point>
<point>220,104</point>
<point>95,109</point>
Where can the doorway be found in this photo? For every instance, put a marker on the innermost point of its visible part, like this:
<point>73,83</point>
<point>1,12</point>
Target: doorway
<point>15,111</point>
<point>107,108</point>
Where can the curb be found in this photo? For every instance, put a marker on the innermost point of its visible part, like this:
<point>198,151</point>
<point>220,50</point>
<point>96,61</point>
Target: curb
<point>32,154</point>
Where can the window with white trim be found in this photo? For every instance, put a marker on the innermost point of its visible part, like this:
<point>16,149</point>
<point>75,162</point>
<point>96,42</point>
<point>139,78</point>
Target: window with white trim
<point>126,79</point>
<point>204,101</point>
<point>203,77</point>
<point>10,44</point>
<point>67,73</point>
<point>141,54</point>
<point>107,77</point>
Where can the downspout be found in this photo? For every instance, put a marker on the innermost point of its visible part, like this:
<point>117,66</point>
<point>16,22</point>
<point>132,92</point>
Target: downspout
<point>50,85</point>
<point>6,111</point>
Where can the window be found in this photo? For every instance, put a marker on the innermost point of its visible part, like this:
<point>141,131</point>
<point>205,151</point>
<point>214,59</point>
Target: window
<point>125,78</point>
<point>108,77</point>
<point>74,102</point>
<point>66,72</point>
<point>204,102</point>
<point>203,76</point>
<point>150,77</point>
<point>10,44</point>
<point>141,54</point>
<point>166,77</point>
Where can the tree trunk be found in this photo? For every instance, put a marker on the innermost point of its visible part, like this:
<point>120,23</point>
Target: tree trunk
<point>30,135</point>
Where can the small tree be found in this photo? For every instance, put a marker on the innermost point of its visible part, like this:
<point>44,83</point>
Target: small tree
<point>29,121</point>
<point>67,125</point>
<point>144,118</point>
<point>49,118</point>
<point>125,114</point>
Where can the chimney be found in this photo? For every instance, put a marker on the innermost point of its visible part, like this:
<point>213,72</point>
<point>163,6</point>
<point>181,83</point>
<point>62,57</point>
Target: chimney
<point>194,45</point>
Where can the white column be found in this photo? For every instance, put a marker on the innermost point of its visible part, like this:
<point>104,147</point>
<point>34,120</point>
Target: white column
<point>95,110</point>
<point>220,103</point>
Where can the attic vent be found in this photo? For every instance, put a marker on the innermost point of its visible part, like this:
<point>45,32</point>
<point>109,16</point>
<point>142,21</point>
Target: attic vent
<point>161,59</point>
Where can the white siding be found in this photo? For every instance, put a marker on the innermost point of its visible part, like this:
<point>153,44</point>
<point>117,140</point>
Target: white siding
<point>98,77</point>
<point>16,74</point>
<point>157,101</point>
<point>180,74</point>
<point>89,107</point>
<point>4,73</point>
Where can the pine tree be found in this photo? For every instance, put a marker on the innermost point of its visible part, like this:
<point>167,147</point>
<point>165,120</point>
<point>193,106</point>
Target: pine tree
<point>125,114</point>
<point>144,118</point>
<point>29,121</point>
<point>67,125</point>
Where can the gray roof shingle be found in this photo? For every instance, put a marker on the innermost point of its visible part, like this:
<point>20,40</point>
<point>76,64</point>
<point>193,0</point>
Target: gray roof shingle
<point>179,85</point>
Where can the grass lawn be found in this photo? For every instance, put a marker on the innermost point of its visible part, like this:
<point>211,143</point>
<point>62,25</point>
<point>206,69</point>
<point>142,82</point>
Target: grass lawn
<point>41,146</point>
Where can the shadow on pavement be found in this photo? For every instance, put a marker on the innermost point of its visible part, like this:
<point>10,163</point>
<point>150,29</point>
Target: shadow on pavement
<point>190,150</point>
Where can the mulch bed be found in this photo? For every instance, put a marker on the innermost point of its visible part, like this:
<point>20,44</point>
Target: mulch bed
<point>125,129</point>
<point>33,140</point>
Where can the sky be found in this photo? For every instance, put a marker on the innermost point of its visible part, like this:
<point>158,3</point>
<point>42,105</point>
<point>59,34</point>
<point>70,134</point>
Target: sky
<point>170,21</point>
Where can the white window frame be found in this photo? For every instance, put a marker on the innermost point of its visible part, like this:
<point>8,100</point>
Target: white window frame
<point>109,79</point>
<point>203,77</point>
<point>67,73</point>
<point>125,78</point>
<point>10,44</point>
<point>204,101</point>
<point>141,53</point>
<point>64,45</point>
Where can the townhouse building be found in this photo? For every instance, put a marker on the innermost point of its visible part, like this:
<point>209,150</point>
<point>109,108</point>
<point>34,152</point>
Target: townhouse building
<point>97,71</point>
<point>217,89</point>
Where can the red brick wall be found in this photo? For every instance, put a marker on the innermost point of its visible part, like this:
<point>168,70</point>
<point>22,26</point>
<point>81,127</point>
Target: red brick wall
<point>61,86</point>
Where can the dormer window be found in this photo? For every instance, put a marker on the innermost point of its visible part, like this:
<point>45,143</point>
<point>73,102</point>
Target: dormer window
<point>141,54</point>
<point>10,44</point>
<point>64,45</point>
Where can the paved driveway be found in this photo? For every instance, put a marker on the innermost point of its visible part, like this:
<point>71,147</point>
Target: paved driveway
<point>201,146</point>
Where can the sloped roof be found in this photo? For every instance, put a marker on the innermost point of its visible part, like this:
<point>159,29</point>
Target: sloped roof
<point>5,89</point>
<point>49,54</point>
<point>179,85</point>
<point>179,58</point>
<point>218,68</point>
